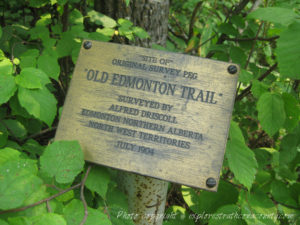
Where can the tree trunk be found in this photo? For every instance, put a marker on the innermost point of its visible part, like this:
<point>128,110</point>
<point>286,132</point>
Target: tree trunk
<point>146,196</point>
<point>152,15</point>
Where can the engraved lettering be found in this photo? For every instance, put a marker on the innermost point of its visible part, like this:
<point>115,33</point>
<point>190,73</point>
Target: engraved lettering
<point>143,84</point>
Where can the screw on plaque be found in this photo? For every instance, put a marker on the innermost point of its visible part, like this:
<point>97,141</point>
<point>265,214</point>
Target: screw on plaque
<point>232,69</point>
<point>211,182</point>
<point>87,44</point>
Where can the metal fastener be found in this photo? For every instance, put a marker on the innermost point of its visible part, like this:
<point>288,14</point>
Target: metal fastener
<point>232,69</point>
<point>87,44</point>
<point>211,182</point>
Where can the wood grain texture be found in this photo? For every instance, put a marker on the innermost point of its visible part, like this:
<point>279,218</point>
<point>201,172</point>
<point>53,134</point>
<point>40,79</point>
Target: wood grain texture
<point>151,112</point>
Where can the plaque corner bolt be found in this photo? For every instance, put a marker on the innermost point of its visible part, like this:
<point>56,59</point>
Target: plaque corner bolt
<point>211,182</point>
<point>87,44</point>
<point>232,69</point>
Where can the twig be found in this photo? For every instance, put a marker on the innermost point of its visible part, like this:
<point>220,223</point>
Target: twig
<point>252,39</point>
<point>48,207</point>
<point>246,91</point>
<point>53,186</point>
<point>41,201</point>
<point>296,85</point>
<point>237,10</point>
<point>65,17</point>
<point>288,206</point>
<point>209,39</point>
<point>236,185</point>
<point>193,19</point>
<point>240,7</point>
<point>86,213</point>
<point>184,35</point>
<point>41,133</point>
<point>250,54</point>
<point>106,211</point>
<point>177,35</point>
<point>253,45</point>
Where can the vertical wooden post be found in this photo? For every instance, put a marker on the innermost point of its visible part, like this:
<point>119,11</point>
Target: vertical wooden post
<point>146,196</point>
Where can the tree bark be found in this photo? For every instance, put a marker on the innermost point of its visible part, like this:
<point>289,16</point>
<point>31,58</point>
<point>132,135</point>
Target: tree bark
<point>151,15</point>
<point>146,196</point>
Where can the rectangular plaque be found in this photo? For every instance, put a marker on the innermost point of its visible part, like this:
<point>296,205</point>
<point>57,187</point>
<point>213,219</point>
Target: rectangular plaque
<point>155,113</point>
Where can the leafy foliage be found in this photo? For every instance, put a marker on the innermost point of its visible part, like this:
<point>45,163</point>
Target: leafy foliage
<point>39,45</point>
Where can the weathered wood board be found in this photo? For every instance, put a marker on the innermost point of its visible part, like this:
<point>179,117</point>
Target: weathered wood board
<point>151,112</point>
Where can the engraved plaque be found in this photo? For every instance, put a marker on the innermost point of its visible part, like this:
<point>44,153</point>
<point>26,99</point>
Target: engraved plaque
<point>155,113</point>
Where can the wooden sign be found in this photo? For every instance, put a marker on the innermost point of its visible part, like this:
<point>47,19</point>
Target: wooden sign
<point>151,112</point>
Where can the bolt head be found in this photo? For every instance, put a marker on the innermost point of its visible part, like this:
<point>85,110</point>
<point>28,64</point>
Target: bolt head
<point>232,69</point>
<point>87,44</point>
<point>211,182</point>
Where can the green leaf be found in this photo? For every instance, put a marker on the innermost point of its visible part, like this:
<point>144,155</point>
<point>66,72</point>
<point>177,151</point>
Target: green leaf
<point>208,202</point>
<point>2,55</point>
<point>76,17</point>
<point>121,217</point>
<point>127,2</point>
<point>235,132</point>
<point>127,32</point>
<point>227,28</point>
<point>7,87</point>
<point>15,128</point>
<point>292,110</point>
<point>37,3</point>
<point>241,162</point>
<point>19,220</point>
<point>18,181</point>
<point>98,180</point>
<point>17,109</point>
<point>282,193</point>
<point>28,58</point>
<point>65,44</point>
<point>66,196</point>
<point>48,218</point>
<point>282,16</point>
<point>140,32</point>
<point>258,88</point>
<point>125,23</point>
<point>271,112</point>
<point>74,213</point>
<point>255,208</point>
<point>33,147</point>
<point>62,2</point>
<point>288,52</point>
<point>238,56</point>
<point>115,197</point>
<point>238,20</point>
<point>100,19</point>
<point>177,215</point>
<point>0,32</point>
<point>49,65</point>
<point>34,73</point>
<point>62,160</point>
<point>227,215</point>
<point>40,103</point>
<point>109,32</point>
<point>99,37</point>
<point>3,136</point>
<point>2,222</point>
<point>288,147</point>
<point>28,80</point>
<point>245,76</point>
<point>44,20</point>
<point>7,154</point>
<point>36,196</point>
